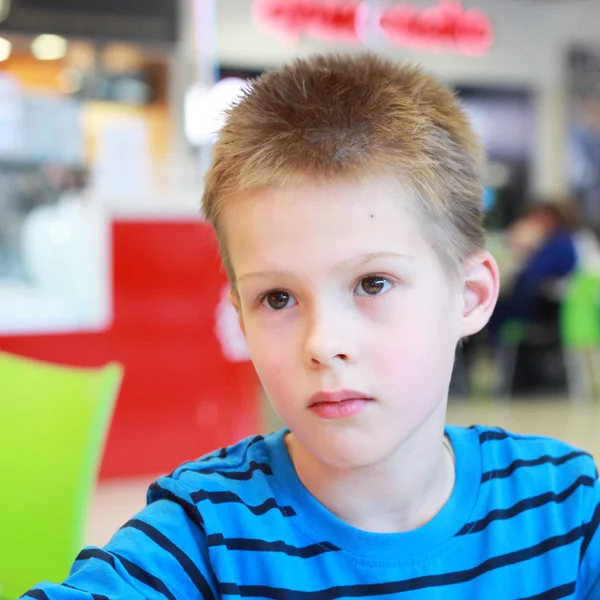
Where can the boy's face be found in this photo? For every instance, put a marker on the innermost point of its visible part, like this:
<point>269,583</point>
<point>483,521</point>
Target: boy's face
<point>338,289</point>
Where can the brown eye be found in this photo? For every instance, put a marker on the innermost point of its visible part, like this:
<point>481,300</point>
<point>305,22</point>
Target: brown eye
<point>277,300</point>
<point>371,286</point>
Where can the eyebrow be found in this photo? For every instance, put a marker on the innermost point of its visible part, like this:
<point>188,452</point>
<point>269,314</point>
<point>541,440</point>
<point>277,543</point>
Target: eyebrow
<point>352,263</point>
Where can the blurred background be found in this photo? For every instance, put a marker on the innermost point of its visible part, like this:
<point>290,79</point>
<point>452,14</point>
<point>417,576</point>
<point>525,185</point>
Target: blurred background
<point>108,110</point>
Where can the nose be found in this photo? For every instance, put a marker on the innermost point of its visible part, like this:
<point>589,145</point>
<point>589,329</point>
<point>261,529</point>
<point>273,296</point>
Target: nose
<point>328,339</point>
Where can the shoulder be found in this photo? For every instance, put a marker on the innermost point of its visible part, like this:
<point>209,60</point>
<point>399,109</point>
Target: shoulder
<point>239,471</point>
<point>558,248</point>
<point>561,238</point>
<point>538,463</point>
<point>499,445</point>
<point>236,462</point>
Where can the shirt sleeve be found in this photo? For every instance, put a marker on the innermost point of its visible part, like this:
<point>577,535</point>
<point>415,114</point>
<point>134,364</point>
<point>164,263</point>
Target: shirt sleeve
<point>161,553</point>
<point>588,585</point>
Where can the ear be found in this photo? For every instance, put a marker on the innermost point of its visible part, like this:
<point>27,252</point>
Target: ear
<point>234,298</point>
<point>481,284</point>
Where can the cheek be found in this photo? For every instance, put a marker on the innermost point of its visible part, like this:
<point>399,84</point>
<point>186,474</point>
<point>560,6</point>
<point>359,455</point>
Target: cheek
<point>420,348</point>
<point>402,355</point>
<point>273,356</point>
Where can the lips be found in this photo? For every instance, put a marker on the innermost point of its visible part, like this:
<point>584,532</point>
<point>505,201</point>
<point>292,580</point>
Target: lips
<point>338,405</point>
<point>335,397</point>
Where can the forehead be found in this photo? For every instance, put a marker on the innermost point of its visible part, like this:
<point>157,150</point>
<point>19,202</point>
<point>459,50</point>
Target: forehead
<point>315,225</point>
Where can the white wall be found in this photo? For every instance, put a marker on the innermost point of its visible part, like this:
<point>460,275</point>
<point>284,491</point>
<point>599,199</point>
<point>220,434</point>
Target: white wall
<point>531,39</point>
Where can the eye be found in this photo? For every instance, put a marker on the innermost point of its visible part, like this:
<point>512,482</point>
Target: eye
<point>373,285</point>
<point>278,300</point>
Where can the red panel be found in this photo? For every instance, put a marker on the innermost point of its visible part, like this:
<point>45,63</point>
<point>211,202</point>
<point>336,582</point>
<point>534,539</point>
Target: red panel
<point>180,396</point>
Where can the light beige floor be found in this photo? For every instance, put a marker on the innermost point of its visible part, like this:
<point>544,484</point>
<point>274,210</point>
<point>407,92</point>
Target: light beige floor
<point>115,502</point>
<point>577,424</point>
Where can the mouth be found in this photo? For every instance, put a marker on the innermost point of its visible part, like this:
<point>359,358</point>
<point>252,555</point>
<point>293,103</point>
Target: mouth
<point>335,397</point>
<point>338,404</point>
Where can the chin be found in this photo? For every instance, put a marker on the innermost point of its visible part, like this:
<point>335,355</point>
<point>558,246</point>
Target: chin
<point>348,449</point>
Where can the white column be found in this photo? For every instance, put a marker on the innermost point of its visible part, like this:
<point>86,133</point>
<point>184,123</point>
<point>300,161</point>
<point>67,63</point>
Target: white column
<point>194,60</point>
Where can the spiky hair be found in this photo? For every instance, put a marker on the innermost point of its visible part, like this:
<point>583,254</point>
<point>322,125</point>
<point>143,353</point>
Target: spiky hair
<point>352,118</point>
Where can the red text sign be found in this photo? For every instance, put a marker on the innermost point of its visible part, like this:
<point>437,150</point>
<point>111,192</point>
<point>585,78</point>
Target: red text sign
<point>446,26</point>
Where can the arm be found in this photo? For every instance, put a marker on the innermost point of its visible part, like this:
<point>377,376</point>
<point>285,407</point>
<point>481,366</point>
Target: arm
<point>588,583</point>
<point>161,553</point>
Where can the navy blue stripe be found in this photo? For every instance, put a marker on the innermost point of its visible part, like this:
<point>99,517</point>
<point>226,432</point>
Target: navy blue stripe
<point>253,545</point>
<point>190,509</point>
<point>227,497</point>
<point>561,591</point>
<point>223,452</point>
<point>534,462</point>
<point>89,553</point>
<point>236,475</point>
<point>590,530</point>
<point>418,583</point>
<point>499,514</point>
<point>255,440</point>
<point>500,434</point>
<point>177,553</point>
<point>37,594</point>
<point>134,570</point>
<point>94,596</point>
<point>146,578</point>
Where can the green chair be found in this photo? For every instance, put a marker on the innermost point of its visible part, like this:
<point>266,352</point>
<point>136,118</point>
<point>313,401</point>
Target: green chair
<point>53,424</point>
<point>580,333</point>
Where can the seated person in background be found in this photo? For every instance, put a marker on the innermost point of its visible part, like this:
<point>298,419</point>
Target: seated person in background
<point>543,245</point>
<point>346,193</point>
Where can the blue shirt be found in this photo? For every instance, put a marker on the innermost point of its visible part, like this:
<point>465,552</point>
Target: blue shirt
<point>554,260</point>
<point>521,523</point>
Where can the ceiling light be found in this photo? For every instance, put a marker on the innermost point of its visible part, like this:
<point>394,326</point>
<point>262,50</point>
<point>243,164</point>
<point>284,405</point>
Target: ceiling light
<point>204,111</point>
<point>49,47</point>
<point>5,49</point>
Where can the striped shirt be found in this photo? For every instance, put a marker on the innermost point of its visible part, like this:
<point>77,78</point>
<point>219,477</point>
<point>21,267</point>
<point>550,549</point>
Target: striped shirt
<point>521,523</point>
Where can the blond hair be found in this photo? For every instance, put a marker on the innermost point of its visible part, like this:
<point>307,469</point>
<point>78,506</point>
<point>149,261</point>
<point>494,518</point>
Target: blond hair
<point>353,118</point>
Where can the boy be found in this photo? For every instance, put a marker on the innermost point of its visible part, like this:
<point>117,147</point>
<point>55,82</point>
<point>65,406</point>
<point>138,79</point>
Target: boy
<point>346,196</point>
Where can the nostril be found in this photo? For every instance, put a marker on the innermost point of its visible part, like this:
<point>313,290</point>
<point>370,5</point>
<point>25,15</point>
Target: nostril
<point>316,361</point>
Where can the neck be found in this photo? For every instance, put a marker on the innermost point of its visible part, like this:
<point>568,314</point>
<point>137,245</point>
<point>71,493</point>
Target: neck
<point>402,493</point>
